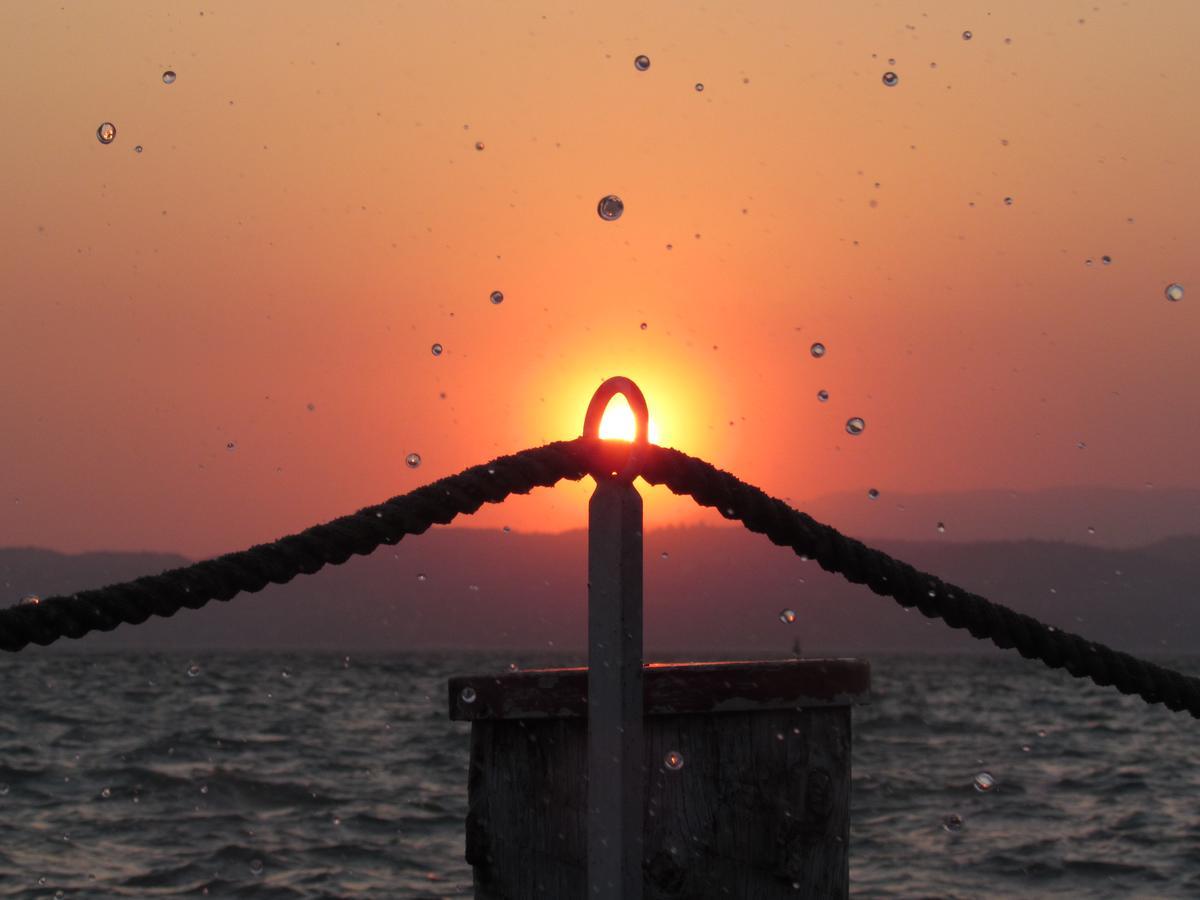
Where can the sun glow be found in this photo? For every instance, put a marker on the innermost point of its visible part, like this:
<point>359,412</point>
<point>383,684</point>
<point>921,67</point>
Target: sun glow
<point>618,423</point>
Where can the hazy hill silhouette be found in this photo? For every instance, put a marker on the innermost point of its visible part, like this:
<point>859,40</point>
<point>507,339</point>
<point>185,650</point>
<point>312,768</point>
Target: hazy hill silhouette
<point>708,590</point>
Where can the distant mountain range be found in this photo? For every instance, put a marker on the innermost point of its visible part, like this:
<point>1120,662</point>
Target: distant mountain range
<point>709,590</point>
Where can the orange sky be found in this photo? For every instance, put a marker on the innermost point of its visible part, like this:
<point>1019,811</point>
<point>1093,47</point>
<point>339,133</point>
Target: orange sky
<point>309,215</point>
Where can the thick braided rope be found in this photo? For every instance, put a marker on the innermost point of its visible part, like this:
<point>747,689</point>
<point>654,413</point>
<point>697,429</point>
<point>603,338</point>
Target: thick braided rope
<point>440,502</point>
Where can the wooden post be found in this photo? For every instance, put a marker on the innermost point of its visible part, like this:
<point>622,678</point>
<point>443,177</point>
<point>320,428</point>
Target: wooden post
<point>615,692</point>
<point>746,773</point>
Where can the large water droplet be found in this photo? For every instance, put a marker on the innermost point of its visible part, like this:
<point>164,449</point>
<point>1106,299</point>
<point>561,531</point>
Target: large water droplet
<point>610,207</point>
<point>891,79</point>
<point>412,460</point>
<point>1008,201</point>
<point>193,670</point>
<point>984,782</point>
<point>953,823</point>
<point>817,349</point>
<point>436,349</point>
<point>673,760</point>
<point>106,793</point>
<point>467,694</point>
<point>822,395</point>
<point>137,149</point>
<point>1106,260</point>
<point>967,35</point>
<point>497,298</point>
<point>230,446</point>
<point>699,86</point>
<point>855,426</point>
<point>421,576</point>
<point>256,866</point>
<point>941,527</point>
<point>787,616</point>
<point>106,133</point>
<point>641,63</point>
<point>872,494</point>
<point>1174,292</point>
<point>168,77</point>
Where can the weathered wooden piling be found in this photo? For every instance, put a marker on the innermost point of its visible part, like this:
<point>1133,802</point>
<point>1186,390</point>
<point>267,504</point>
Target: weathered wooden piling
<point>746,780</point>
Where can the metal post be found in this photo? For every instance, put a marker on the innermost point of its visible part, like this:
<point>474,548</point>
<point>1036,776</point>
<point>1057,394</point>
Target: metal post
<point>615,746</point>
<point>615,775</point>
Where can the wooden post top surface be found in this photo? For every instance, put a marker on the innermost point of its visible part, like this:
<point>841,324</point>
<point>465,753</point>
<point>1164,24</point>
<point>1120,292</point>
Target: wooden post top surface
<point>670,689</point>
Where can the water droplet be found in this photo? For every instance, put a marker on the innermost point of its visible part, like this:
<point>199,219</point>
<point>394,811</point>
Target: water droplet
<point>953,823</point>
<point>497,298</point>
<point>311,407</point>
<point>3,789</point>
<point>666,555</point>
<point>479,145</point>
<point>421,576</point>
<point>1008,201</point>
<point>1106,260</point>
<point>673,760</point>
<point>891,79</point>
<point>967,35</point>
<point>436,349</point>
<point>891,60</point>
<point>872,494</point>
<point>412,460</point>
<point>641,63</point>
<point>610,207</point>
<point>941,527</point>
<point>231,446</point>
<point>855,426</point>
<point>256,866</point>
<point>137,149</point>
<point>1088,263</point>
<point>106,793</point>
<point>467,694</point>
<point>285,674</point>
<point>787,616</point>
<point>1041,732</point>
<point>984,782</point>
<point>817,350</point>
<point>1081,445</point>
<point>168,77</point>
<point>193,670</point>
<point>643,326</point>
<point>30,600</point>
<point>1174,292</point>
<point>699,86</point>
<point>1091,529</point>
<point>1025,748</point>
<point>822,395</point>
<point>106,133</point>
<point>507,529</point>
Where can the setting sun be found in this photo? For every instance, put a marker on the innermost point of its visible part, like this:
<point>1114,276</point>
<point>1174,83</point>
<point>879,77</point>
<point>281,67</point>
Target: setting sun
<point>618,423</point>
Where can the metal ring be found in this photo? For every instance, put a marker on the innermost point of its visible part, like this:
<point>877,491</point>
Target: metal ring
<point>619,384</point>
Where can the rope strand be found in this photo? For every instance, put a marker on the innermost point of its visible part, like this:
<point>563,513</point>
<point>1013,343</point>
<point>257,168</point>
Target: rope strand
<point>439,503</point>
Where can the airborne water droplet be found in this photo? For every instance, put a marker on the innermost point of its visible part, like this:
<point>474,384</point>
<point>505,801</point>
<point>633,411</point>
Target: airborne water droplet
<point>817,350</point>
<point>168,77</point>
<point>641,63</point>
<point>822,395</point>
<point>984,782</point>
<point>1106,260</point>
<point>497,298</point>
<point>673,760</point>
<point>941,527</point>
<point>891,79</point>
<point>479,145</point>
<point>436,349</point>
<point>193,670</point>
<point>1174,292</point>
<point>610,207</point>
<point>412,460</point>
<point>467,694</point>
<point>787,616</point>
<point>699,86</point>
<point>872,494</point>
<point>256,866</point>
<point>855,426</point>
<point>967,35</point>
<point>1008,201</point>
<point>952,823</point>
<point>137,149</point>
<point>106,133</point>
<point>106,793</point>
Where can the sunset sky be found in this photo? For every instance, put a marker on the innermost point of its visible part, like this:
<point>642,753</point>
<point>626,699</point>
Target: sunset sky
<point>309,214</point>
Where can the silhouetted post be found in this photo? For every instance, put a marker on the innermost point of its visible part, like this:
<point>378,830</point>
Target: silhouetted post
<point>624,782</point>
<point>615,692</point>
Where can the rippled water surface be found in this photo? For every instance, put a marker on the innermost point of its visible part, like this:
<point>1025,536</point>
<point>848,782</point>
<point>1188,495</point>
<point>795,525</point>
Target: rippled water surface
<point>313,775</point>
